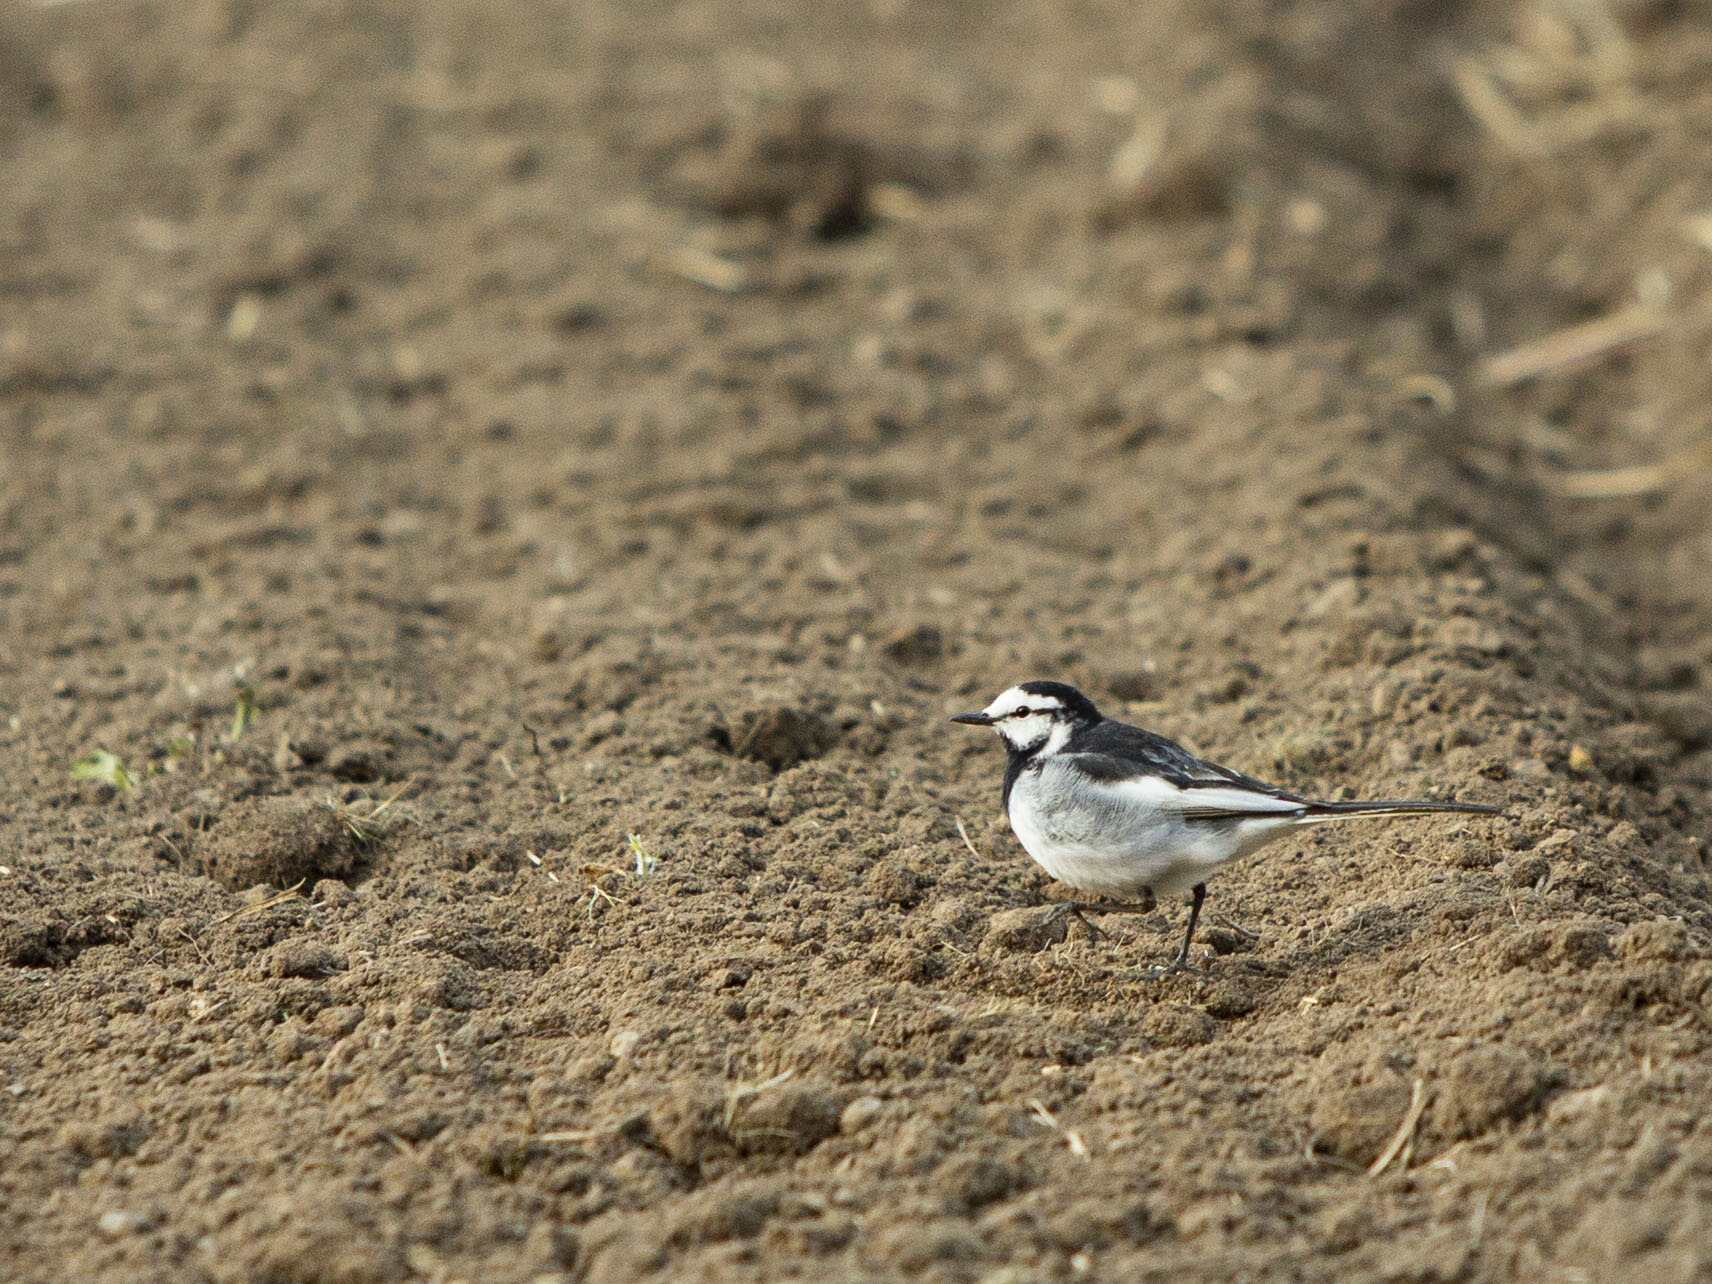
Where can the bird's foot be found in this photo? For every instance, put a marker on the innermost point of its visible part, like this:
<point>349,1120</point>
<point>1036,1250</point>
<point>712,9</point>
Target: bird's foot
<point>1074,910</point>
<point>1163,970</point>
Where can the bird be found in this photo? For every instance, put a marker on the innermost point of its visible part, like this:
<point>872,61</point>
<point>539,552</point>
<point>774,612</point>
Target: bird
<point>1121,812</point>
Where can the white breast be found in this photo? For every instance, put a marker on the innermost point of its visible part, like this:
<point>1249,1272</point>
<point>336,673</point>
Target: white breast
<point>1118,838</point>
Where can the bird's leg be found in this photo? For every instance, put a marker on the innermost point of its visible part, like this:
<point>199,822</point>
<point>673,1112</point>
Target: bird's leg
<point>1079,910</point>
<point>1182,960</point>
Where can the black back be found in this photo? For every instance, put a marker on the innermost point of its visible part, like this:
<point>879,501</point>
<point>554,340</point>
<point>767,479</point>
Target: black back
<point>1112,750</point>
<point>1134,752</point>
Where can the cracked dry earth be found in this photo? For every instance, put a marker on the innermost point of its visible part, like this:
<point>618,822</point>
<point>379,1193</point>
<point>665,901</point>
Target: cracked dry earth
<point>517,489</point>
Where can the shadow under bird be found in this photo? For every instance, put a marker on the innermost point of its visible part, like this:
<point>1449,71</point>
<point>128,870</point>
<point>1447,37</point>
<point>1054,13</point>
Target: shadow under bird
<point>1117,811</point>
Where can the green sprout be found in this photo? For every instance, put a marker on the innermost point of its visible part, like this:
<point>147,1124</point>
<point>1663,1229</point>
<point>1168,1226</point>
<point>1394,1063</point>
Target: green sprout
<point>646,863</point>
<point>243,712</point>
<point>105,768</point>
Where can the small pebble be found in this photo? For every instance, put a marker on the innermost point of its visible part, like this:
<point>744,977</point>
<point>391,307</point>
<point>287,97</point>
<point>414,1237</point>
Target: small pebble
<point>859,1114</point>
<point>117,1222</point>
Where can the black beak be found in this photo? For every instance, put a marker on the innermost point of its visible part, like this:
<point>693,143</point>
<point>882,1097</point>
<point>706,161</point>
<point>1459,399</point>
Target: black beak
<point>974,719</point>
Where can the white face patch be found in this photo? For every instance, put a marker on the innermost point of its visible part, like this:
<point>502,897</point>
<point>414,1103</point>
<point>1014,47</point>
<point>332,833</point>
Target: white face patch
<point>1026,721</point>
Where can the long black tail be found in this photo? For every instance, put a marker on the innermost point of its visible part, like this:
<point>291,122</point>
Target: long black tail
<point>1320,811</point>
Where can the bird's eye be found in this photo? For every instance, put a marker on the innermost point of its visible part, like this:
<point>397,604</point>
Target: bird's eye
<point>1021,713</point>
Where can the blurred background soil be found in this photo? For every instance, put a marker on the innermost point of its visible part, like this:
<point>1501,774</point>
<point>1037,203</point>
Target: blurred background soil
<point>497,502</point>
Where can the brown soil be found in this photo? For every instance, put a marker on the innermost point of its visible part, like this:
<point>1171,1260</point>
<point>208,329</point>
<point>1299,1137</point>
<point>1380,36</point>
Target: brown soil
<point>531,481</point>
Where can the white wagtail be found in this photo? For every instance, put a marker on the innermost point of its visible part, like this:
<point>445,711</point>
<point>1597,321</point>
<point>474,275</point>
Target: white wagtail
<point>1112,809</point>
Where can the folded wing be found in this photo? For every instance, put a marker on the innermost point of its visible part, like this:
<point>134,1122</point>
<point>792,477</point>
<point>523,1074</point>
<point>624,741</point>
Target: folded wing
<point>1194,790</point>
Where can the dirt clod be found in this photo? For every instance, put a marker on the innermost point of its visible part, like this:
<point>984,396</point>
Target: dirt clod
<point>28,942</point>
<point>304,956</point>
<point>715,1217</point>
<point>787,164</point>
<point>279,842</point>
<point>789,1119</point>
<point>782,737</point>
<point>921,644</point>
<point>1172,1025</point>
<point>1579,944</point>
<point>893,880</point>
<point>859,1114</point>
<point>689,1125</point>
<point>1137,683</point>
<point>108,1138</point>
<point>1023,931</point>
<point>1355,1114</point>
<point>971,1182</point>
<point>1662,940</point>
<point>1482,1086</point>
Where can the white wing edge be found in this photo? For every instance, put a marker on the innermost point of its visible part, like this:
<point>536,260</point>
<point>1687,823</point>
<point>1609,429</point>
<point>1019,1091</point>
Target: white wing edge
<point>1158,792</point>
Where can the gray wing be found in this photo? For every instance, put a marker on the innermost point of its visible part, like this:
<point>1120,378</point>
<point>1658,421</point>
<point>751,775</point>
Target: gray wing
<point>1211,800</point>
<point>1117,753</point>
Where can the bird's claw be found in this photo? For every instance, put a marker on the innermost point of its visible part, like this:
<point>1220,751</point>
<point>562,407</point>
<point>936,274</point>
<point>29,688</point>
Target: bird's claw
<point>1068,909</point>
<point>1094,933</point>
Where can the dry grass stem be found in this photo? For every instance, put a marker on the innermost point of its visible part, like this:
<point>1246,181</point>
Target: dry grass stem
<point>744,1091</point>
<point>707,269</point>
<point>399,1144</point>
<point>294,892</point>
<point>1494,112</point>
<point>1405,1130</point>
<point>1572,347</point>
<point>964,835</point>
<point>1584,591</point>
<point>1635,479</point>
<point>1428,390</point>
<point>577,1134</point>
<point>366,826</point>
<point>197,946</point>
<point>1582,98</point>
